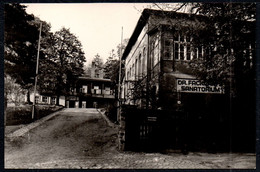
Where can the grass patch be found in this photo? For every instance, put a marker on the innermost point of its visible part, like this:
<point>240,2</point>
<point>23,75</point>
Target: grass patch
<point>23,114</point>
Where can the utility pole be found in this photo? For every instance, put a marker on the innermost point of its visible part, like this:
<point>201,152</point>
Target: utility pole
<point>119,80</point>
<point>36,74</point>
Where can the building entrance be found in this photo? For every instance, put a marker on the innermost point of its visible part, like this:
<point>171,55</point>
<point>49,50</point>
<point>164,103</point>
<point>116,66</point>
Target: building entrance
<point>71,104</point>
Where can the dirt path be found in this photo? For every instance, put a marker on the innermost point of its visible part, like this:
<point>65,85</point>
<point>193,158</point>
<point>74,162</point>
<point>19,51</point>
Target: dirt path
<point>72,134</point>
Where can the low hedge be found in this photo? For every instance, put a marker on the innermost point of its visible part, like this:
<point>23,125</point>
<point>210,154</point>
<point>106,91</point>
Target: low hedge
<point>23,114</point>
<point>111,113</point>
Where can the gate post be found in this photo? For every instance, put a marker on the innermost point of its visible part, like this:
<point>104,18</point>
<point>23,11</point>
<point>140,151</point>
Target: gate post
<point>121,132</point>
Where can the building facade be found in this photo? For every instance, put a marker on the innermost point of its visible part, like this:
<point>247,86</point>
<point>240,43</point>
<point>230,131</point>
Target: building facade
<point>87,93</point>
<point>156,61</point>
<point>158,77</point>
<point>90,92</point>
<point>47,99</point>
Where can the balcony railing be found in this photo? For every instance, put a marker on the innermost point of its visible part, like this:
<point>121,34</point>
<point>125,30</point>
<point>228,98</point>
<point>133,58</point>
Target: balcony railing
<point>96,93</point>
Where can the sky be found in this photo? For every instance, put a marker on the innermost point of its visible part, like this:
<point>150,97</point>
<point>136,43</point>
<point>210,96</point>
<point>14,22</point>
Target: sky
<point>98,26</point>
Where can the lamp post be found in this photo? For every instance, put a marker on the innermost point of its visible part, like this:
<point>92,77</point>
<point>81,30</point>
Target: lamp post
<point>119,80</point>
<point>36,74</point>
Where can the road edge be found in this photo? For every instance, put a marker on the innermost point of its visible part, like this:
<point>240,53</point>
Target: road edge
<point>22,131</point>
<point>111,124</point>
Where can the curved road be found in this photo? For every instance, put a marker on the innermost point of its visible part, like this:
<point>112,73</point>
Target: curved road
<point>71,134</point>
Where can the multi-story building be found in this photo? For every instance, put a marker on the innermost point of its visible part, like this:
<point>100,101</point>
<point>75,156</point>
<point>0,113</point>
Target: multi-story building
<point>46,99</point>
<point>91,92</point>
<point>88,92</point>
<point>156,61</point>
<point>157,76</point>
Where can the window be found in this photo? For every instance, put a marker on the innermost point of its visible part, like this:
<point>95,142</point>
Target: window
<point>136,68</point>
<point>188,52</point>
<point>154,50</point>
<point>96,90</point>
<point>107,91</point>
<point>36,99</point>
<point>181,51</point>
<point>182,48</point>
<point>168,49</point>
<point>53,100</point>
<point>130,73</point>
<point>133,70</point>
<point>181,38</point>
<point>139,66</point>
<point>200,52</point>
<point>144,60</point>
<point>176,50</point>
<point>84,89</point>
<point>44,99</point>
<point>152,54</point>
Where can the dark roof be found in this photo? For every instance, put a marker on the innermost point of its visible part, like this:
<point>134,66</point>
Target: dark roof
<point>94,79</point>
<point>144,18</point>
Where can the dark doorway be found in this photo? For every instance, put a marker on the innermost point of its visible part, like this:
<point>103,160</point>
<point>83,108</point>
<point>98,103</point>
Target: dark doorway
<point>71,104</point>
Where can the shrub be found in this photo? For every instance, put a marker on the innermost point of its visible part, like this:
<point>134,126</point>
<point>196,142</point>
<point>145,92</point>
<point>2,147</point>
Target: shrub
<point>23,114</point>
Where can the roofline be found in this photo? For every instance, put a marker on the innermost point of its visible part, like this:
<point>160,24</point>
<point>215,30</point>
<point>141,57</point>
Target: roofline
<point>94,79</point>
<point>138,28</point>
<point>172,14</point>
<point>143,20</point>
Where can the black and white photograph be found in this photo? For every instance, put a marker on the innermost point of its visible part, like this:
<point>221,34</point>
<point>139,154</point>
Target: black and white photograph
<point>102,85</point>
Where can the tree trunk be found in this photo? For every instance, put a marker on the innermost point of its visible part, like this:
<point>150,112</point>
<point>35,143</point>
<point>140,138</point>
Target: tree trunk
<point>28,96</point>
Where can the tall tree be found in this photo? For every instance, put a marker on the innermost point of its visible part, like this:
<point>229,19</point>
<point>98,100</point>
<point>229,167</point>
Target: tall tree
<point>64,60</point>
<point>233,61</point>
<point>232,38</point>
<point>13,91</point>
<point>111,67</point>
<point>98,62</point>
<point>121,47</point>
<point>95,68</point>
<point>20,43</point>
